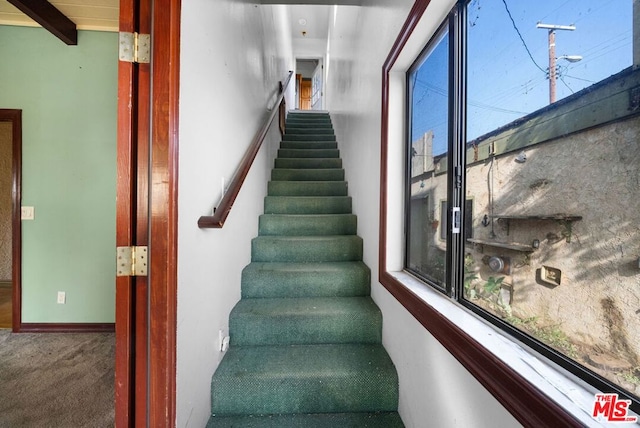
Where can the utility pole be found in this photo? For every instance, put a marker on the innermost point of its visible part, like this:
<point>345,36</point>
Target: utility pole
<point>552,55</point>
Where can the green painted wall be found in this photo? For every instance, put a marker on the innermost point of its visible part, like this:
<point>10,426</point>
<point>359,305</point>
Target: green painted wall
<point>68,98</point>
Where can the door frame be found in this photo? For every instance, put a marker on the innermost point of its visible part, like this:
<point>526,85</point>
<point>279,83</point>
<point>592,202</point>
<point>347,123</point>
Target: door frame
<point>145,383</point>
<point>15,117</point>
<point>163,225</point>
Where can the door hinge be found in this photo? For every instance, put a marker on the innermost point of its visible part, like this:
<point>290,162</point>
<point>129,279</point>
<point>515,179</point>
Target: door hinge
<point>131,261</point>
<point>134,47</point>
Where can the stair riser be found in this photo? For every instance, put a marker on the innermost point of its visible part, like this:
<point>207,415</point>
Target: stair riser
<point>333,249</point>
<point>308,153</point>
<point>307,205</point>
<point>294,126</point>
<point>329,395</point>
<point>308,321</point>
<point>304,137</point>
<point>308,117</point>
<point>307,188</point>
<point>307,174</point>
<point>307,124</point>
<point>307,331</point>
<point>309,225</point>
<point>333,420</point>
<point>310,130</point>
<point>308,163</point>
<point>272,280</point>
<point>285,386</point>
<point>332,145</point>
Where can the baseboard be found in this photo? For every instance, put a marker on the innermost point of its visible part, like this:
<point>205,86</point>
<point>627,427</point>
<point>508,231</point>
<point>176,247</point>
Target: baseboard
<point>28,327</point>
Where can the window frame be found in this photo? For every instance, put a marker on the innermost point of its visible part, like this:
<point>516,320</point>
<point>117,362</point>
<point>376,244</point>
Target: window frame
<point>517,393</point>
<point>446,26</point>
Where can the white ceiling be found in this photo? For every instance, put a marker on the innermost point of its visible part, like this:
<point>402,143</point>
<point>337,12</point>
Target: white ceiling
<point>309,22</point>
<point>100,15</point>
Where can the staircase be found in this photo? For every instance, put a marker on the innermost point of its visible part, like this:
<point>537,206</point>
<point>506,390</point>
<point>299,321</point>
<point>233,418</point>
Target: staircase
<point>306,337</point>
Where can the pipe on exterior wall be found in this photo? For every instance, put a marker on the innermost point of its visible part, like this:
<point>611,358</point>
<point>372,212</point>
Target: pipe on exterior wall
<point>636,34</point>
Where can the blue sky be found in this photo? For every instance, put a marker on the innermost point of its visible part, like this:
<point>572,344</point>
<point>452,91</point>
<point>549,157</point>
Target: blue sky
<point>504,82</point>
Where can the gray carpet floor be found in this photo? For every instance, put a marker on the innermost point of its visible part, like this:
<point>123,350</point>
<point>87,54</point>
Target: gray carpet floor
<point>56,380</point>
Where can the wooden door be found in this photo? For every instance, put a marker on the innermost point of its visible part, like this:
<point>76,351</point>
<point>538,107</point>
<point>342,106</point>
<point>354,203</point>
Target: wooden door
<point>146,210</point>
<point>305,94</point>
<point>14,118</point>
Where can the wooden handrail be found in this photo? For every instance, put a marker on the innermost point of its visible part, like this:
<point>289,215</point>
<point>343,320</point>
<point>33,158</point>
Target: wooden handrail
<point>217,220</point>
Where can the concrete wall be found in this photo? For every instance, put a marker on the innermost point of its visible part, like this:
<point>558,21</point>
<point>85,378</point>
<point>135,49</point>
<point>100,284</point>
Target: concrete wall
<point>67,95</point>
<point>434,387</point>
<point>232,56</point>
<point>592,314</point>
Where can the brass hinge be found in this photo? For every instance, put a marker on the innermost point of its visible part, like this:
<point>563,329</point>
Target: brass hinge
<point>134,47</point>
<point>131,261</point>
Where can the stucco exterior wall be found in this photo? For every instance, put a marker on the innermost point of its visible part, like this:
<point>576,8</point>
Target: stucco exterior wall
<point>594,175</point>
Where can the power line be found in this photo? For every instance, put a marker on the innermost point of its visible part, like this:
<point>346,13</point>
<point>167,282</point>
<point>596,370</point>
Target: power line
<point>578,78</point>
<point>565,84</point>
<point>494,108</point>
<point>520,35</point>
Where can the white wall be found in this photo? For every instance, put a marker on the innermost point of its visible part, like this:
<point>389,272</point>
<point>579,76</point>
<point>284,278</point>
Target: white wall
<point>434,388</point>
<point>232,56</point>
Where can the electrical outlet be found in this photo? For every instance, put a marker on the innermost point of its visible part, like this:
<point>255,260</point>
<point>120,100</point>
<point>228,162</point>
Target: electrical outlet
<point>62,297</point>
<point>223,341</point>
<point>27,213</point>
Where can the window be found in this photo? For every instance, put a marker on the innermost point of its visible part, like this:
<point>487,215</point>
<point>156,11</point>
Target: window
<point>528,111</point>
<point>427,181</point>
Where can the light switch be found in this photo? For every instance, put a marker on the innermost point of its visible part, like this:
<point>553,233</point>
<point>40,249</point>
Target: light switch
<point>27,213</point>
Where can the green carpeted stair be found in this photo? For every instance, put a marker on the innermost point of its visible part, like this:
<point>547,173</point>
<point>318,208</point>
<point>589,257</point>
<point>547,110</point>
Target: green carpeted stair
<point>306,337</point>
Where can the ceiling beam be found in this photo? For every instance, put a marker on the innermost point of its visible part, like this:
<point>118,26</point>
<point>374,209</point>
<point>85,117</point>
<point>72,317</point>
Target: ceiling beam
<point>45,14</point>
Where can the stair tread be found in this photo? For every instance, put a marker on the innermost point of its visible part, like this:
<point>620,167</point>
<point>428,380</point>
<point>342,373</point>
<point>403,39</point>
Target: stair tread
<point>303,306</point>
<point>309,238</point>
<point>322,420</point>
<point>310,216</point>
